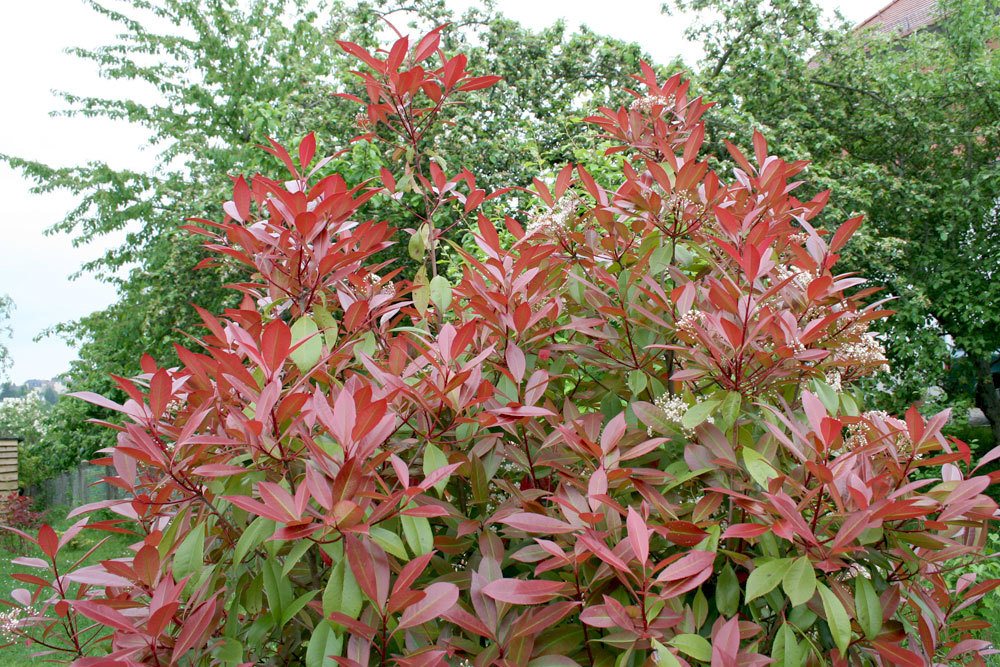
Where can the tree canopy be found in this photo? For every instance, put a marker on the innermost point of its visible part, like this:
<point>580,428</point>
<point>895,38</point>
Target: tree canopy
<point>908,127</point>
<point>229,74</point>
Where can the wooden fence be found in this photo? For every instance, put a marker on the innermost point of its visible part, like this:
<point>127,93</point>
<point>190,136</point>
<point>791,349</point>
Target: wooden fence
<point>8,465</point>
<point>74,487</point>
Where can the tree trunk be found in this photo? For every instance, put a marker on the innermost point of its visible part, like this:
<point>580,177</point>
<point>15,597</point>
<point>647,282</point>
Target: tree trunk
<point>987,399</point>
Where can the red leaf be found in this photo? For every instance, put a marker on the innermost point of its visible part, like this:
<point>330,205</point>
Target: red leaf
<point>307,150</point>
<point>519,591</point>
<point>48,541</point>
<point>844,233</point>
<point>104,615</point>
<point>638,535</point>
<point>537,523</point>
<point>427,45</point>
<point>362,55</point>
<point>275,344</point>
<point>898,655</point>
<point>97,399</point>
<point>96,575</point>
<point>745,530</point>
<point>725,642</point>
<point>438,599</point>
<point>684,533</point>
<point>194,629</point>
<point>480,82</point>
<point>688,565</point>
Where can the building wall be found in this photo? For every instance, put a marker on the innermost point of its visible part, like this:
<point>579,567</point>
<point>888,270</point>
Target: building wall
<point>902,16</point>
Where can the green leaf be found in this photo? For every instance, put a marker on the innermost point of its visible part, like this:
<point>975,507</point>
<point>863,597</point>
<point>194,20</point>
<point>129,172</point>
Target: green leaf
<point>765,577</point>
<point>434,459</point>
<point>693,645</point>
<point>342,592</point>
<point>422,294</point>
<point>418,534</point>
<point>698,413</point>
<point>277,589</point>
<point>328,324</point>
<point>574,286</point>
<point>799,581</point>
<point>306,355</point>
<point>827,395</point>
<point>389,541</point>
<point>440,290</point>
<point>190,555</point>
<point>417,245</point>
<point>867,607</point>
<point>296,606</point>
<point>295,555</point>
<point>729,411</point>
<point>760,470</point>
<point>323,643</point>
<point>849,405</point>
<point>229,651</point>
<point>664,658</point>
<point>727,592</point>
<point>785,650</point>
<point>636,382</point>
<point>836,618</point>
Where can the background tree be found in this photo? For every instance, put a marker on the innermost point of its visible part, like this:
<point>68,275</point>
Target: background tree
<point>229,74</point>
<point>28,417</point>
<point>909,129</point>
<point>6,305</point>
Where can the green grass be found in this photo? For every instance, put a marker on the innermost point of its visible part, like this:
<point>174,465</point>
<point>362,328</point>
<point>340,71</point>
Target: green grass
<point>19,655</point>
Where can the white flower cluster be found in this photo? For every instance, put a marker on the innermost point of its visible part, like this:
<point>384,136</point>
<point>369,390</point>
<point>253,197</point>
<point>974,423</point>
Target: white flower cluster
<point>800,278</point>
<point>646,104</point>
<point>556,219</point>
<point>859,433</point>
<point>674,407</point>
<point>867,352</point>
<point>11,620</point>
<point>688,321</point>
<point>374,279</point>
<point>835,380</point>
<point>678,200</point>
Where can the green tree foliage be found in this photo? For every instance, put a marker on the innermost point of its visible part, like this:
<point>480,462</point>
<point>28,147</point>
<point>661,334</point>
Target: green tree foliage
<point>227,75</point>
<point>909,129</point>
<point>29,418</point>
<point>6,305</point>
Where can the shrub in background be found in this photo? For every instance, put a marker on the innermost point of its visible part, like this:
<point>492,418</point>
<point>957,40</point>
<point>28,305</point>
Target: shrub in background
<point>17,511</point>
<point>622,433</point>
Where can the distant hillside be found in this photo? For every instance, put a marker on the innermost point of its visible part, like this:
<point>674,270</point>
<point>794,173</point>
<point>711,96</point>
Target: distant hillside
<point>50,389</point>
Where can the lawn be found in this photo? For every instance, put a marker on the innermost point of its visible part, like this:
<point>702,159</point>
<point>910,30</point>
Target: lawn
<point>19,655</point>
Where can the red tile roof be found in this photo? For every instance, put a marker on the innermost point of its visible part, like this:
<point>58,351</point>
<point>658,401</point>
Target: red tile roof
<point>902,16</point>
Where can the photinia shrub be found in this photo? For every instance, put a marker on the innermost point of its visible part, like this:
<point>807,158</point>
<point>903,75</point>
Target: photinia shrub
<point>620,431</point>
<point>17,511</point>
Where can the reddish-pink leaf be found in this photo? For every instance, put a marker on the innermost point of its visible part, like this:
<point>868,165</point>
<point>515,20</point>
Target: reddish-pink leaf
<point>307,149</point>
<point>194,629</point>
<point>438,599</point>
<point>689,565</point>
<point>519,591</point>
<point>898,655</point>
<point>104,615</point>
<point>537,523</point>
<point>638,535</point>
<point>745,530</point>
<point>48,541</point>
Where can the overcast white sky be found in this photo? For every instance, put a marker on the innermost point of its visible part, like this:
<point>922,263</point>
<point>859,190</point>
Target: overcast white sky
<point>35,268</point>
